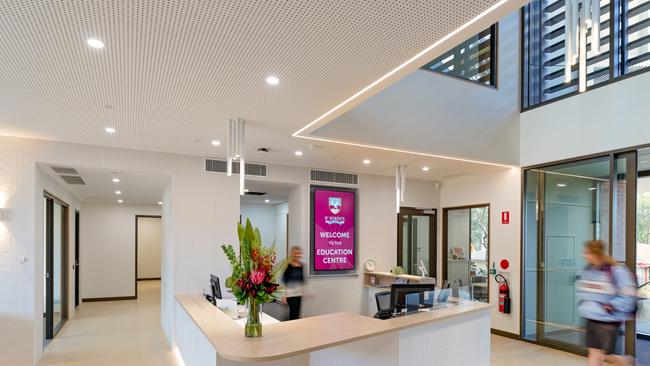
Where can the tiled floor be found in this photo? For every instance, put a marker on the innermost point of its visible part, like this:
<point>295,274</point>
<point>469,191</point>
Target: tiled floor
<point>127,333</point>
<point>114,333</point>
<point>508,352</point>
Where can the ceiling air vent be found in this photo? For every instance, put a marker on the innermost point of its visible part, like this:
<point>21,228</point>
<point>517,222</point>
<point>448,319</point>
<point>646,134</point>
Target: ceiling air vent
<point>73,179</point>
<point>219,166</point>
<point>64,170</point>
<point>249,193</point>
<point>333,177</point>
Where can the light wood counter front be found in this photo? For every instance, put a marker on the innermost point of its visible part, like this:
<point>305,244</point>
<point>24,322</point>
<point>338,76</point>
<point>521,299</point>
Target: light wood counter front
<point>288,339</point>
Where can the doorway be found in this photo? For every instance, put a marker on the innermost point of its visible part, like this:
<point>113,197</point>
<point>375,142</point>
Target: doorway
<point>466,250</point>
<point>55,265</point>
<point>76,259</point>
<point>416,241</point>
<point>148,236</point>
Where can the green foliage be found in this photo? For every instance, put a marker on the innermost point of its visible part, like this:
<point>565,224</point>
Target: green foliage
<point>254,272</point>
<point>479,227</point>
<point>643,219</point>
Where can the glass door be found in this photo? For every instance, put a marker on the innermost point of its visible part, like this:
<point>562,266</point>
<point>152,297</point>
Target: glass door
<point>466,239</point>
<point>55,266</point>
<point>565,206</point>
<point>417,241</point>
<point>575,199</point>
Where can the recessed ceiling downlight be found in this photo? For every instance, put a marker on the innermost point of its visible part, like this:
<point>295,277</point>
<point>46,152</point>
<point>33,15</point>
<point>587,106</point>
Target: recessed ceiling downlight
<point>160,203</point>
<point>425,168</point>
<point>216,142</point>
<point>120,201</point>
<point>109,130</point>
<point>267,201</point>
<point>272,80</point>
<point>95,43</point>
<point>118,192</point>
<point>298,153</point>
<point>366,161</point>
<point>116,180</point>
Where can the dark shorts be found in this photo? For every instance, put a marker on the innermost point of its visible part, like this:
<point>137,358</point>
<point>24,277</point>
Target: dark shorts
<point>602,336</point>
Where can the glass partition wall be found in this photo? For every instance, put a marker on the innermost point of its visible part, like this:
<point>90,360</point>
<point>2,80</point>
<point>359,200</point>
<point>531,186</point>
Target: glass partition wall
<point>643,256</point>
<point>466,240</point>
<point>565,206</point>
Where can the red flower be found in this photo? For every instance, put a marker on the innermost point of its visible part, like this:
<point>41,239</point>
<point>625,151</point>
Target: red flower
<point>257,277</point>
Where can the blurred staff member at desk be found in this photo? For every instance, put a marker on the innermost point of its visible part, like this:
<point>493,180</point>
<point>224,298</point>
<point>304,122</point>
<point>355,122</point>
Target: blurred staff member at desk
<point>294,281</point>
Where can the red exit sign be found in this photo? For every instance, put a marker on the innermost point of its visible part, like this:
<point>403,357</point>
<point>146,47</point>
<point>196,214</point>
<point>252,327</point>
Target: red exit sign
<point>505,217</point>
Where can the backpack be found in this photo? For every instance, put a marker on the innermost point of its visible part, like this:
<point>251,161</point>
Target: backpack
<point>610,273</point>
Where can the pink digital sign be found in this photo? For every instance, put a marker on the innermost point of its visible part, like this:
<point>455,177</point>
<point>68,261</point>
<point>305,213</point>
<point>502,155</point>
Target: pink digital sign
<point>333,230</point>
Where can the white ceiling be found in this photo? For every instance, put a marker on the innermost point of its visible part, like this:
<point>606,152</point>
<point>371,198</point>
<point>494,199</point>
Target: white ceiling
<point>275,192</point>
<point>434,113</point>
<point>137,188</point>
<point>173,72</point>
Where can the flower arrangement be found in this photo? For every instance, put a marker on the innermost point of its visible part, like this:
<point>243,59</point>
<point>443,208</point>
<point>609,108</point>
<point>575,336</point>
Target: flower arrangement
<point>254,278</point>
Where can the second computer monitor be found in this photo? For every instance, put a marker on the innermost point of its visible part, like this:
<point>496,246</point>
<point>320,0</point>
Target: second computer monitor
<point>398,293</point>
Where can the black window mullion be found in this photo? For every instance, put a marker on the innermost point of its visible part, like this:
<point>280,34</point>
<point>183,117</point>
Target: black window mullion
<point>623,8</point>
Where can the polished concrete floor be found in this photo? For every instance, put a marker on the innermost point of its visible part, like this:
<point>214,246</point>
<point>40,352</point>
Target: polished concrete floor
<point>128,333</point>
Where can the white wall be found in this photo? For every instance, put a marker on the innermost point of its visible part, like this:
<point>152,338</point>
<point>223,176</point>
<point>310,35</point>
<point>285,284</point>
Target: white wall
<point>280,221</point>
<point>262,216</point>
<point>149,240</point>
<point>108,249</point>
<point>295,215</point>
<point>502,190</point>
<point>608,118</point>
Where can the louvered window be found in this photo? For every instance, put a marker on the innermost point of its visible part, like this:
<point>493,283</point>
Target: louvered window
<point>624,39</point>
<point>474,59</point>
<point>637,35</point>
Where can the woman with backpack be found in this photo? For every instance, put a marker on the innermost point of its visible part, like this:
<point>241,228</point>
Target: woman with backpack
<point>607,293</point>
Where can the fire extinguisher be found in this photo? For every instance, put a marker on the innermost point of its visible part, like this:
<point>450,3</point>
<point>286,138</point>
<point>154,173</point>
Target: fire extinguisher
<point>504,294</point>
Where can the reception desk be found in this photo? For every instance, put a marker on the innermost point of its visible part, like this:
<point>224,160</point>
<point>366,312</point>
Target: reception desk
<point>456,335</point>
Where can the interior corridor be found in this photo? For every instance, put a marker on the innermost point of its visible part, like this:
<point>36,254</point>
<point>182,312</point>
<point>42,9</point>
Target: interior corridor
<point>121,333</point>
<point>129,333</point>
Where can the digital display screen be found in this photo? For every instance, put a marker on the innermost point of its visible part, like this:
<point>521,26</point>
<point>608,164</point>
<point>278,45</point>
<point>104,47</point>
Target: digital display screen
<point>333,240</point>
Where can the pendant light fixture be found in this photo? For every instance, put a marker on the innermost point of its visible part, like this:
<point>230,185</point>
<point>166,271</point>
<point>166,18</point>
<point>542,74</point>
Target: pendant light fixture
<point>400,186</point>
<point>579,17</point>
<point>235,150</point>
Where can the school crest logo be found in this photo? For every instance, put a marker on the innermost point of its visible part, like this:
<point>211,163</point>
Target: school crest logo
<point>335,205</point>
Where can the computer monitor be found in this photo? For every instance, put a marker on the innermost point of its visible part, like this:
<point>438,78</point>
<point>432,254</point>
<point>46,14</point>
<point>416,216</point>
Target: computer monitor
<point>398,294</point>
<point>216,288</point>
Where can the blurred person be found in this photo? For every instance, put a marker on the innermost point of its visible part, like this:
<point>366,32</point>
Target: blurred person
<point>294,282</point>
<point>607,293</point>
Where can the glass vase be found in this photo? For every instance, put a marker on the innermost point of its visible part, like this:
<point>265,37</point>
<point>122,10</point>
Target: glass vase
<point>253,326</point>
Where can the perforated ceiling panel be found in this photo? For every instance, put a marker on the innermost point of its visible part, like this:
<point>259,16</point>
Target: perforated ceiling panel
<point>173,71</point>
